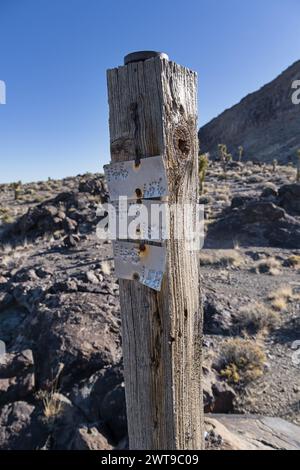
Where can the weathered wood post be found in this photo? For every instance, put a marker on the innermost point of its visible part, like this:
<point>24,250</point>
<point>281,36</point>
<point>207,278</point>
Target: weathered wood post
<point>153,111</point>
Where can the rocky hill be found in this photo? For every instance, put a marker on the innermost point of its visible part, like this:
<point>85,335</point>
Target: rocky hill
<point>61,381</point>
<point>266,123</point>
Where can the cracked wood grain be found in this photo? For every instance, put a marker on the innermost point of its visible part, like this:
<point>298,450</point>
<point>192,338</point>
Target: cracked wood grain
<point>153,111</point>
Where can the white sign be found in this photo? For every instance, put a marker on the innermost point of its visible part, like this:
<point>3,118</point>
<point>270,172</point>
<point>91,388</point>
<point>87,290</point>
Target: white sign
<point>143,263</point>
<point>143,180</point>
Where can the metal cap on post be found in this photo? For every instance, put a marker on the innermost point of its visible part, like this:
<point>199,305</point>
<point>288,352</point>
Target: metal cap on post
<point>141,56</point>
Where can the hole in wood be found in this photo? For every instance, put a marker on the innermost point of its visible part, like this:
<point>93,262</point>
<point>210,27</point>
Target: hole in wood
<point>142,247</point>
<point>183,146</point>
<point>182,140</point>
<point>136,276</point>
<point>138,193</point>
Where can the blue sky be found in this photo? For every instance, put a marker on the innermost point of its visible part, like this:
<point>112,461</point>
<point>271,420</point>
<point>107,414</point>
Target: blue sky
<point>54,55</point>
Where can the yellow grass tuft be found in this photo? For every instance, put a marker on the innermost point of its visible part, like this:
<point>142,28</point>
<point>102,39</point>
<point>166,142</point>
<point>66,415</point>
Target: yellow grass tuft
<point>221,258</point>
<point>294,261</point>
<point>242,360</point>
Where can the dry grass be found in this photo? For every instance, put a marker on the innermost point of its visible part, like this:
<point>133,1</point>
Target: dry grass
<point>267,266</point>
<point>294,261</point>
<point>221,258</point>
<point>279,304</point>
<point>52,405</point>
<point>242,361</point>
<point>5,216</point>
<point>281,297</point>
<point>256,317</point>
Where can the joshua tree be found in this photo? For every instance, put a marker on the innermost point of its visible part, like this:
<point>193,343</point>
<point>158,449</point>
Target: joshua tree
<point>203,163</point>
<point>222,151</point>
<point>241,152</point>
<point>17,189</point>
<point>225,157</point>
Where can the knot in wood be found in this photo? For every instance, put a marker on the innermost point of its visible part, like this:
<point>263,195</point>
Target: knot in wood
<point>182,141</point>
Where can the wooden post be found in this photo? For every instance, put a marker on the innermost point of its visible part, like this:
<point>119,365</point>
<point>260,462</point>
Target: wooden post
<point>153,111</point>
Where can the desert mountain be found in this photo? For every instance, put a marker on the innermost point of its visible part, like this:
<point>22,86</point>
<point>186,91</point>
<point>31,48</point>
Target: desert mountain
<point>266,123</point>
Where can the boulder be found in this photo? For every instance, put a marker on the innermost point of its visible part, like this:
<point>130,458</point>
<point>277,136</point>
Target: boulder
<point>269,192</point>
<point>102,397</point>
<point>68,330</point>
<point>94,186</point>
<point>249,432</point>
<point>20,427</point>
<point>89,438</point>
<point>17,379</point>
<point>217,317</point>
<point>289,198</point>
<point>257,222</point>
<point>218,396</point>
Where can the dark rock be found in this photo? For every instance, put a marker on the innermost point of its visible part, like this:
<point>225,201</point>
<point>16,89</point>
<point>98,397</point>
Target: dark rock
<point>20,427</point>
<point>261,212</point>
<point>113,412</point>
<point>64,213</point>
<point>89,438</point>
<point>217,318</point>
<point>269,192</point>
<point>89,395</point>
<point>218,396</point>
<point>240,201</point>
<point>73,333</point>
<point>71,241</point>
<point>94,186</point>
<point>64,423</point>
<point>258,222</point>
<point>224,397</point>
<point>289,198</point>
<point>17,379</point>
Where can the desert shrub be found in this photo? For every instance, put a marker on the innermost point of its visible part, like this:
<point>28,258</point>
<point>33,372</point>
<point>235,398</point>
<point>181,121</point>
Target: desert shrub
<point>294,261</point>
<point>279,304</point>
<point>53,406</point>
<point>267,266</point>
<point>221,258</point>
<point>281,297</point>
<point>256,316</point>
<point>39,198</point>
<point>7,219</point>
<point>242,361</point>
